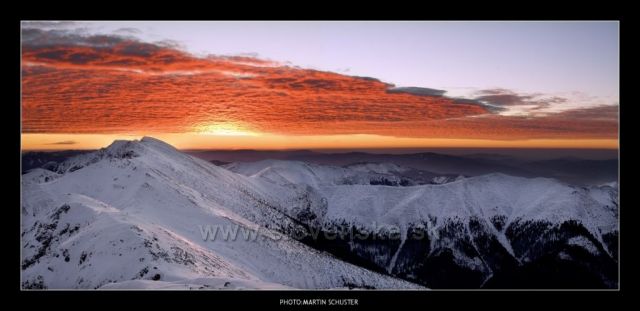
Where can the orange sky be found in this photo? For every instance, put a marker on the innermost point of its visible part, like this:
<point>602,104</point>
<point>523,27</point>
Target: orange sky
<point>284,142</point>
<point>80,95</point>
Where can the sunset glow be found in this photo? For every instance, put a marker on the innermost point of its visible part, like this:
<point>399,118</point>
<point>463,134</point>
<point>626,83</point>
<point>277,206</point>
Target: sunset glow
<point>224,129</point>
<point>286,142</point>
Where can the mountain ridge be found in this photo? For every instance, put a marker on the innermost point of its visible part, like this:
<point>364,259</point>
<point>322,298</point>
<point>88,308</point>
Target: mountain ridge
<point>156,197</point>
<point>478,231</point>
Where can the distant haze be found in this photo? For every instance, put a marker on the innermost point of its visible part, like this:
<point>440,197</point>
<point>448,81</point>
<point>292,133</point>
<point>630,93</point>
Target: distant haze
<point>532,153</point>
<point>525,154</point>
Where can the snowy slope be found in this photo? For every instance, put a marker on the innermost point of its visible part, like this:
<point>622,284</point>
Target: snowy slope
<point>486,196</point>
<point>479,221</point>
<point>295,172</point>
<point>285,172</point>
<point>197,283</point>
<point>133,213</point>
<point>382,168</point>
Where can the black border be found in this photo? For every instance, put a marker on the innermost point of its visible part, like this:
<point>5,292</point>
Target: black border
<point>366,299</point>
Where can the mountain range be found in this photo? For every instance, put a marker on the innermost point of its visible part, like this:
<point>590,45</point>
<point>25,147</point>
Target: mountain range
<point>142,214</point>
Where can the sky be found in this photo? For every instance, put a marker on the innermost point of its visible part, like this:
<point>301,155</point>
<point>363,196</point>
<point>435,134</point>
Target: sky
<point>292,85</point>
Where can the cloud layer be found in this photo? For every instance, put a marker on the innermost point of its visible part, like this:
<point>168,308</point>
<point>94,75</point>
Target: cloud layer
<point>78,83</point>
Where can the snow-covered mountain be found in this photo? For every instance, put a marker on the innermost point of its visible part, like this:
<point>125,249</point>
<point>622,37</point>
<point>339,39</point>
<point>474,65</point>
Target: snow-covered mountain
<point>297,172</point>
<point>133,215</point>
<point>493,230</point>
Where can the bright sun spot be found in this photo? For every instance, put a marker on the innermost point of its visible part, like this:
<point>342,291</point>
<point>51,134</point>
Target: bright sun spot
<point>225,129</point>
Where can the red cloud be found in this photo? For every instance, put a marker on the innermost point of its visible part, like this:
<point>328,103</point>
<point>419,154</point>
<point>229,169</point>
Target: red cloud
<point>116,85</point>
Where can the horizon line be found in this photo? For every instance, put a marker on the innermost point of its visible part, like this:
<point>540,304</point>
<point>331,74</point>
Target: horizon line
<point>360,149</point>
